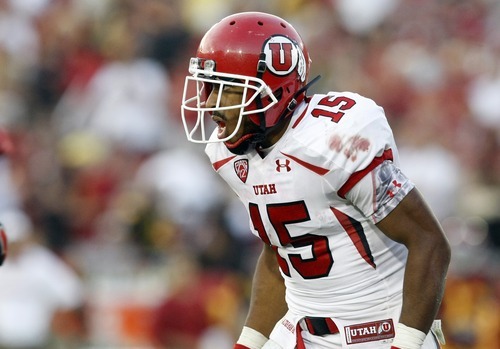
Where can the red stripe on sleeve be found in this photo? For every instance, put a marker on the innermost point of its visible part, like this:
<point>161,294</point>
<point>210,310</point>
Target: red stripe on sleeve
<point>299,119</point>
<point>355,231</point>
<point>218,164</point>
<point>357,176</point>
<point>319,170</point>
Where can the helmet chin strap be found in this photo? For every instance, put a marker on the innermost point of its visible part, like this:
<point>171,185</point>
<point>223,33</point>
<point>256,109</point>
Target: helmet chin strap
<point>297,98</point>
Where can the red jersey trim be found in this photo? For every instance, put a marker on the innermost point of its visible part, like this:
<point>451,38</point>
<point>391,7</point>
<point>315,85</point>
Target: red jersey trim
<point>319,170</point>
<point>218,164</point>
<point>357,234</point>
<point>299,119</point>
<point>357,176</point>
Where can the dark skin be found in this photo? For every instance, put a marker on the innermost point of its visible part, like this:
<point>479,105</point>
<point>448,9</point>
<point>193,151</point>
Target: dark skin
<point>411,223</point>
<point>267,303</point>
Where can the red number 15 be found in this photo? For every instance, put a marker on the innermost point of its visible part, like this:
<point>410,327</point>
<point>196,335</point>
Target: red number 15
<point>341,103</point>
<point>280,215</point>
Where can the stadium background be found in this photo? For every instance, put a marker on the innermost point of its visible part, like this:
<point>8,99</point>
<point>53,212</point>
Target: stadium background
<point>90,93</point>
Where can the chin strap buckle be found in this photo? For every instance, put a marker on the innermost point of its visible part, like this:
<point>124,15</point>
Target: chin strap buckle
<point>292,105</point>
<point>261,65</point>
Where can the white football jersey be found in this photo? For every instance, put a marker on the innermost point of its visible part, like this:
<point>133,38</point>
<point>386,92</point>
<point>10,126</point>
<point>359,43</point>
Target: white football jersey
<point>315,198</point>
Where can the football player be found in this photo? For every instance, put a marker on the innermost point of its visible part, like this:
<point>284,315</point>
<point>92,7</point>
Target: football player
<point>352,256</point>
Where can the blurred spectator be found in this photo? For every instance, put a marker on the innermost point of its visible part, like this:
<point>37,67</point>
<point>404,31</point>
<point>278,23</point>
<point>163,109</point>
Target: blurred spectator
<point>199,310</point>
<point>125,100</point>
<point>483,96</point>
<point>425,158</point>
<point>360,17</point>
<point>471,313</point>
<point>436,172</point>
<point>41,297</point>
<point>18,38</point>
<point>8,194</point>
<point>185,190</point>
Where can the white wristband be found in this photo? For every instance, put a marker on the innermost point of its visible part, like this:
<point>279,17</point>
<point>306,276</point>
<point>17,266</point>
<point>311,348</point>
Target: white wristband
<point>251,338</point>
<point>408,337</point>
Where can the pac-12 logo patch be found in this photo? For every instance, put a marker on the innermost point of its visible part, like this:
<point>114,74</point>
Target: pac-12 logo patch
<point>241,169</point>
<point>283,56</point>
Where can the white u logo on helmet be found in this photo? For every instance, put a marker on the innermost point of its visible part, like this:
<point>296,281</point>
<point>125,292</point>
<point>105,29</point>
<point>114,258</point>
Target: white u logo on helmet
<point>283,56</point>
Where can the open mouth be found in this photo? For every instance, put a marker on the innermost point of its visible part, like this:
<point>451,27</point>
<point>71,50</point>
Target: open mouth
<point>221,126</point>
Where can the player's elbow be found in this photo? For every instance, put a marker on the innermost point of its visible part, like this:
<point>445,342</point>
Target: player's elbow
<point>442,254</point>
<point>444,249</point>
<point>438,250</point>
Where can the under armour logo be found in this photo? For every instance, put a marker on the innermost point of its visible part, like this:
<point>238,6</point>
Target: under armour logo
<point>285,165</point>
<point>397,185</point>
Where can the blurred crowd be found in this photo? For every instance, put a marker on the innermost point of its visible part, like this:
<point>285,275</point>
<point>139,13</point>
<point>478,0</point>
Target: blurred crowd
<point>121,234</point>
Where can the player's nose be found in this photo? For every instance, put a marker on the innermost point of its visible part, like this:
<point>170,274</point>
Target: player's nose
<point>213,97</point>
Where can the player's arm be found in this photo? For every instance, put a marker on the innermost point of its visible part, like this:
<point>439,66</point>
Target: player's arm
<point>267,302</point>
<point>413,224</point>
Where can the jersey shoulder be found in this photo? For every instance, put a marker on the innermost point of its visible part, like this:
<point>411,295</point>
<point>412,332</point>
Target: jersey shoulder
<point>342,112</point>
<point>340,130</point>
<point>218,154</point>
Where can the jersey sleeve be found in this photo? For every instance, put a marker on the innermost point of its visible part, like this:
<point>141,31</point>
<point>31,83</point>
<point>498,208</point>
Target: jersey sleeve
<point>356,143</point>
<point>380,191</point>
<point>365,160</point>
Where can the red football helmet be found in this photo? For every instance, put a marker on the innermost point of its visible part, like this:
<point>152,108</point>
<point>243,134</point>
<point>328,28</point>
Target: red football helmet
<point>257,51</point>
